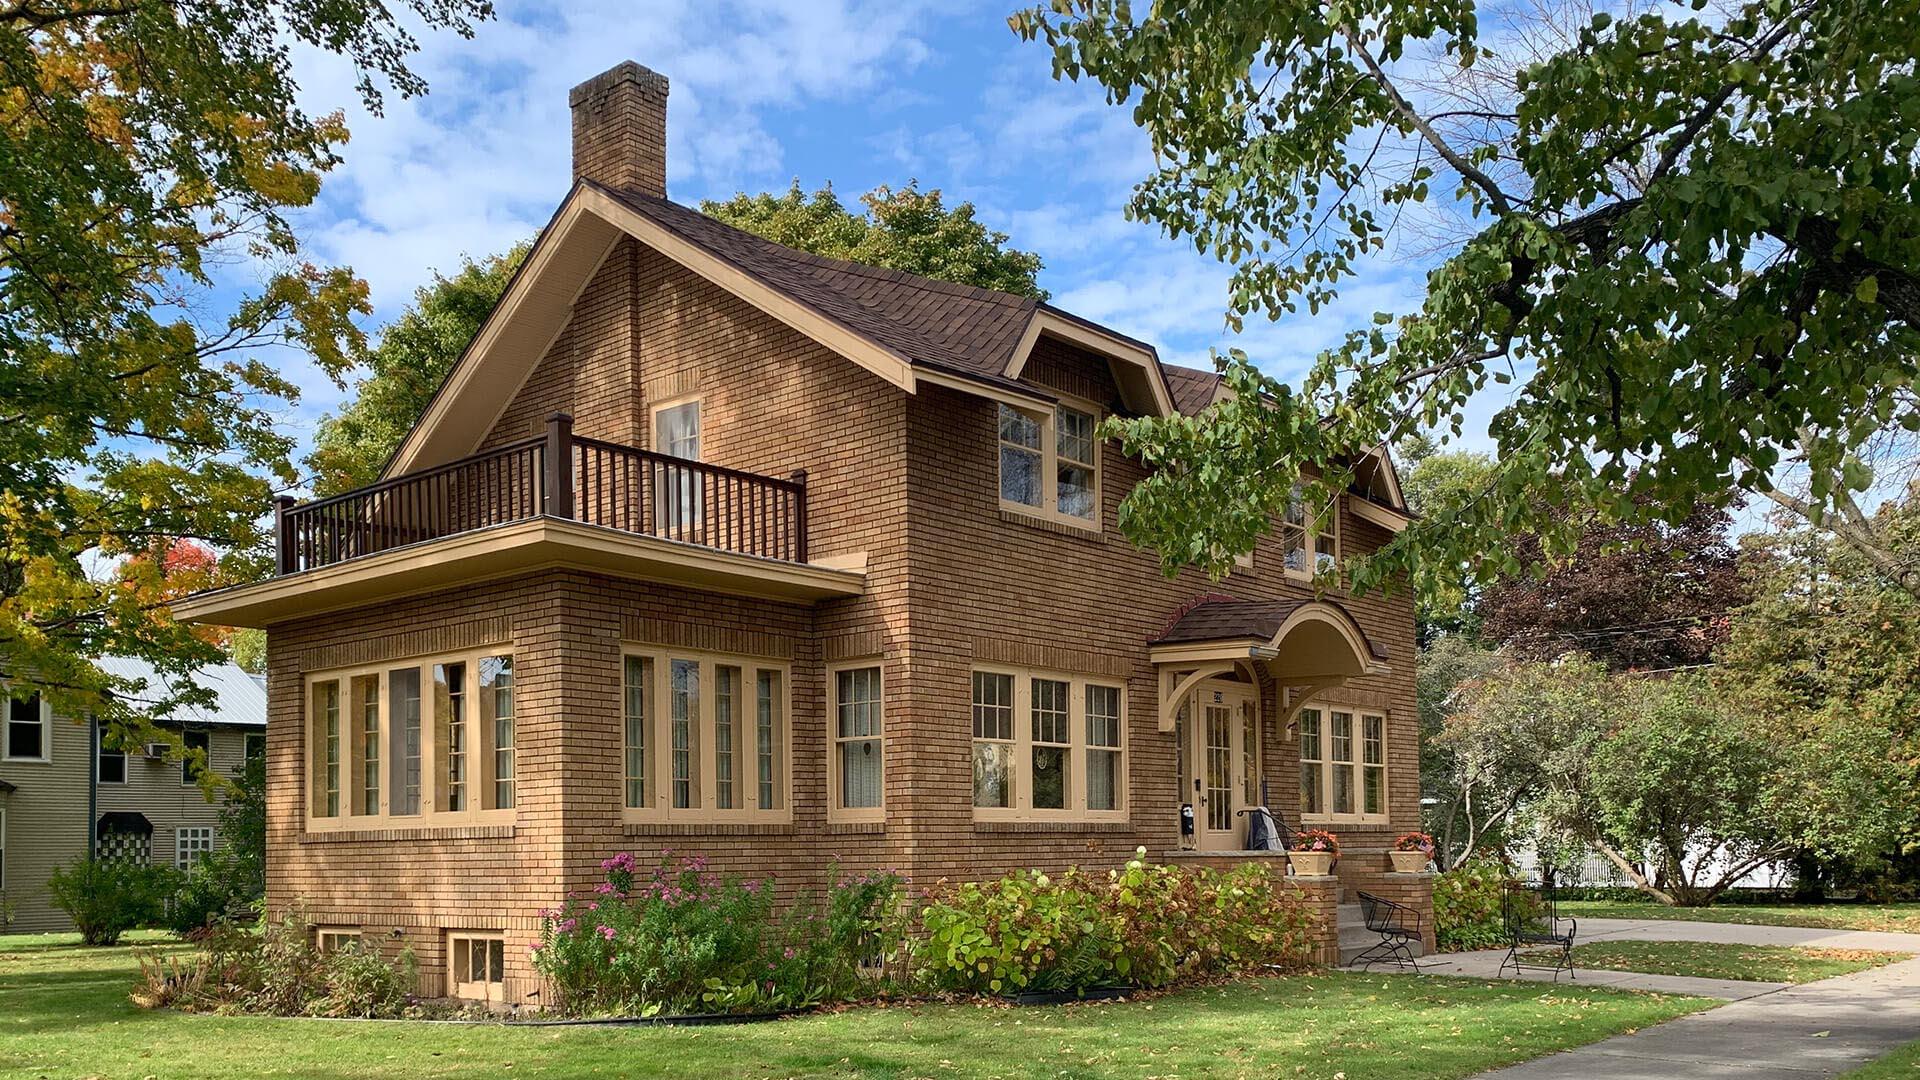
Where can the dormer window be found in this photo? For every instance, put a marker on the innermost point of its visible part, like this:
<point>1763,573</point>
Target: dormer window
<point>1050,463</point>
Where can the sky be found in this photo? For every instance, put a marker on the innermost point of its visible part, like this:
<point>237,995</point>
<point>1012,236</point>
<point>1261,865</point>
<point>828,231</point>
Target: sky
<point>855,93</point>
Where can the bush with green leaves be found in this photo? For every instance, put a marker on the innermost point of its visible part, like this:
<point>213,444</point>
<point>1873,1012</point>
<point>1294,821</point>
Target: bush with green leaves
<point>678,938</point>
<point>1466,906</point>
<point>1142,925</point>
<point>105,898</point>
<point>278,970</point>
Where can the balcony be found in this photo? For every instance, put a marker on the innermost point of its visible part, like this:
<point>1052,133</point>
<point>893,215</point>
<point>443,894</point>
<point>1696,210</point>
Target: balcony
<point>558,475</point>
<point>556,500</point>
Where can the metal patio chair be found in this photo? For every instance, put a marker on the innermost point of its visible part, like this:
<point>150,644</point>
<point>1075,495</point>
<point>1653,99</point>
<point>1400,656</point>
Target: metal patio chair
<point>1400,927</point>
<point>1534,927</point>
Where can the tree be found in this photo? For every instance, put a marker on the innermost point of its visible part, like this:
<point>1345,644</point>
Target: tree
<point>415,352</point>
<point>903,229</point>
<point>1467,805</point>
<point>143,145</point>
<point>1433,478</point>
<point>1647,595</point>
<point>1686,242</point>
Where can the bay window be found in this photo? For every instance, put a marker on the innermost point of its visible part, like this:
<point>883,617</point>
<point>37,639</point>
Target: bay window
<point>1047,746</point>
<point>1050,463</point>
<point>1343,765</point>
<point>413,740</point>
<point>707,741</point>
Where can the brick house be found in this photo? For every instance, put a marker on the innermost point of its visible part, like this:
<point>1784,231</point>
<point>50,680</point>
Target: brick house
<point>710,544</point>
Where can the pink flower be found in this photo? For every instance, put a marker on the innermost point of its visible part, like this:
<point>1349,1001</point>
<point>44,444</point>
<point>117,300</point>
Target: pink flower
<point>567,926</point>
<point>605,888</point>
<point>788,954</point>
<point>609,933</point>
<point>593,905</point>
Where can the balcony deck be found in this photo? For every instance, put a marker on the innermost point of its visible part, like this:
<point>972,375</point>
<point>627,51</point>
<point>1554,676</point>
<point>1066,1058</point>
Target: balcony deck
<point>556,499</point>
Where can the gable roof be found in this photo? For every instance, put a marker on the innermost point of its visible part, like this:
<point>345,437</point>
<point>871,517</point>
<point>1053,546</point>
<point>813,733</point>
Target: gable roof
<point>901,326</point>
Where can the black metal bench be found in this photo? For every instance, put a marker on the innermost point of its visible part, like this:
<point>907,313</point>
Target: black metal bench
<point>1534,928</point>
<point>1400,927</point>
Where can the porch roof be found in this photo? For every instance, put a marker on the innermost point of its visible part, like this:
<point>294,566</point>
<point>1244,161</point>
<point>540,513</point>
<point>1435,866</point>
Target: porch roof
<point>1229,619</point>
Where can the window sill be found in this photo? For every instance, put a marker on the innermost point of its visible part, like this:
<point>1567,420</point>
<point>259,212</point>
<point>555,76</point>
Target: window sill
<point>771,827</point>
<point>1059,525</point>
<point>1067,825</point>
<point>417,832</point>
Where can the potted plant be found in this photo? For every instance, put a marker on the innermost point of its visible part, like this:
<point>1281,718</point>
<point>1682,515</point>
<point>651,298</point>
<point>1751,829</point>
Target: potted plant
<point>1313,852</point>
<point>1411,853</point>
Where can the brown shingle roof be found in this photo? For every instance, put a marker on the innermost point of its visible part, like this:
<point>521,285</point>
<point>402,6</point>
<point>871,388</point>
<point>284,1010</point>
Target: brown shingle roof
<point>1226,619</point>
<point>958,329</point>
<point>1192,390</point>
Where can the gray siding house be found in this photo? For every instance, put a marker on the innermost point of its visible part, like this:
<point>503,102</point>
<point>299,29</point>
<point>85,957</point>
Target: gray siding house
<point>63,796</point>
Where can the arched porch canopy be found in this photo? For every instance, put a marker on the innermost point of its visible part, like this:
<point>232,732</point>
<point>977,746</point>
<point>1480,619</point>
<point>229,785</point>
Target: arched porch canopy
<point>1307,646</point>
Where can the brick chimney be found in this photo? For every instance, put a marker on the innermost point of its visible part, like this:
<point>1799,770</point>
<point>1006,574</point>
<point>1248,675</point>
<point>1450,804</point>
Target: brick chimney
<point>620,129</point>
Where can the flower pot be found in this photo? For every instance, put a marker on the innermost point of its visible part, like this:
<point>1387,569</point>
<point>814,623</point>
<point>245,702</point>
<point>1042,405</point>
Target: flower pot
<point>1311,863</point>
<point>1408,862</point>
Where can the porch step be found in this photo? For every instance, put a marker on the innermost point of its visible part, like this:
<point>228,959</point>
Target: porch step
<point>1355,938</point>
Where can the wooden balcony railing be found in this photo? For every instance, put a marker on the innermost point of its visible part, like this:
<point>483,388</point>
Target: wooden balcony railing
<point>555,475</point>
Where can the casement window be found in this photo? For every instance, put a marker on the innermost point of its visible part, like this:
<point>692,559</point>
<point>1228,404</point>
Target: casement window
<point>1047,746</point>
<point>1050,463</point>
<point>423,741</point>
<point>858,779</point>
<point>190,845</point>
<point>704,736</point>
<point>1343,765</point>
<point>1310,537</point>
<point>476,965</point>
<point>329,939</point>
<point>111,763</point>
<point>679,493</point>
<point>29,735</point>
<point>192,765</point>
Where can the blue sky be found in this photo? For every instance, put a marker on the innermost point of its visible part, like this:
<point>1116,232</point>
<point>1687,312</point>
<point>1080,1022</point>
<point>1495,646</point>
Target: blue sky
<point>852,92</point>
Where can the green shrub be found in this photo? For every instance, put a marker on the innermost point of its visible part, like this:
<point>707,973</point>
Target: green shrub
<point>277,971</point>
<point>108,897</point>
<point>358,981</point>
<point>680,939</point>
<point>1142,925</point>
<point>1466,906</point>
<point>220,885</point>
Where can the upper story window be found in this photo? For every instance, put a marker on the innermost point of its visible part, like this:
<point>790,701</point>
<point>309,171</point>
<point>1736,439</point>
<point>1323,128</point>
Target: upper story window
<point>679,493</point>
<point>704,736</point>
<point>1047,746</point>
<point>1310,536</point>
<point>1050,463</point>
<point>416,741</point>
<point>192,765</point>
<point>29,735</point>
<point>111,767</point>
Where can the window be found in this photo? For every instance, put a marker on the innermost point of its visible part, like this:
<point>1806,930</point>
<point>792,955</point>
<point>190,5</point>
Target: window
<point>475,966</point>
<point>1050,462</point>
<point>112,763</point>
<point>704,736</point>
<point>193,764</point>
<point>858,777</point>
<point>678,491</point>
<point>496,697</point>
<point>993,744</point>
<point>253,747</point>
<point>1343,770</point>
<point>1310,541</point>
<point>1047,746</point>
<point>414,741</point>
<point>331,939</point>
<point>190,845</point>
<point>29,729</point>
<point>403,728</point>
<point>324,725</point>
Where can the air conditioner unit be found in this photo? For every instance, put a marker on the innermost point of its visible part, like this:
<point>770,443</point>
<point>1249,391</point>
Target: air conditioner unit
<point>157,751</point>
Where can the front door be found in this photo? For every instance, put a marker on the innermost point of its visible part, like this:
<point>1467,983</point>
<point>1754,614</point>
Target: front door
<point>1224,749</point>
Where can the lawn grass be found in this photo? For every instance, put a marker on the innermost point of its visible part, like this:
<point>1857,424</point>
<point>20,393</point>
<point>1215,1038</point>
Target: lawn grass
<point>71,939</point>
<point>1714,960</point>
<point>1897,918</point>
<point>64,1012</point>
<point>1902,1064</point>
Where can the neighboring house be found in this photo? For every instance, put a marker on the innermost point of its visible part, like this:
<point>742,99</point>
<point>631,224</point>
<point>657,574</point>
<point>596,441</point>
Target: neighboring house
<point>63,796</point>
<point>710,544</point>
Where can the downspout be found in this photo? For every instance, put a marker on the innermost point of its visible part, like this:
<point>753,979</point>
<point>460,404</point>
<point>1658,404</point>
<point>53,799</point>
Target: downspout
<point>93,787</point>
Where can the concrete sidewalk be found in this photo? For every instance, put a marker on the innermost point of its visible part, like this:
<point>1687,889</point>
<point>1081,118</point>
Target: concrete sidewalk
<point>1768,1031</point>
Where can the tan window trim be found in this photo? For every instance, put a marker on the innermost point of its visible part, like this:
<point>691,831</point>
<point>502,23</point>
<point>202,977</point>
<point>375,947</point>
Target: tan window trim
<point>1023,743</point>
<point>328,938</point>
<point>1313,539</point>
<point>478,720</point>
<point>1326,764</point>
<point>461,964</point>
<point>1049,451</point>
<point>835,811</point>
<point>658,735</point>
